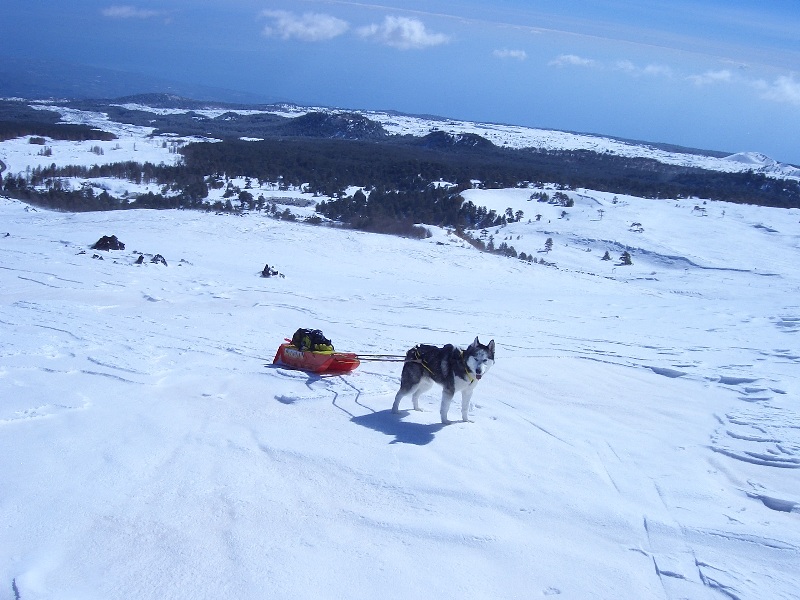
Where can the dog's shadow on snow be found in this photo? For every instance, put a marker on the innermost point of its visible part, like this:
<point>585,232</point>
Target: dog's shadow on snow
<point>404,432</point>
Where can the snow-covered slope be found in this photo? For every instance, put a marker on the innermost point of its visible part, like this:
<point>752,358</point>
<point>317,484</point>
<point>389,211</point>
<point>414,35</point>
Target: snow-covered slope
<point>133,143</point>
<point>637,438</point>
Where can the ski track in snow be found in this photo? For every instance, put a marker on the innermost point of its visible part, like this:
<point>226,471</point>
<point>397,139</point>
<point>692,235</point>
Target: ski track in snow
<point>638,437</point>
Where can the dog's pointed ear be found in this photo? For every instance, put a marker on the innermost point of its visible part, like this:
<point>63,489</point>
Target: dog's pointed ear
<point>491,349</point>
<point>476,343</point>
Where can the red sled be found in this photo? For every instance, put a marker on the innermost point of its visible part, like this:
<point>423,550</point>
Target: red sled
<point>316,362</point>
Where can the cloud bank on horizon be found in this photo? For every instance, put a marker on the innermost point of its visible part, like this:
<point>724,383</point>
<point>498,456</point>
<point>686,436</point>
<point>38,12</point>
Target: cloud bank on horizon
<point>711,74</point>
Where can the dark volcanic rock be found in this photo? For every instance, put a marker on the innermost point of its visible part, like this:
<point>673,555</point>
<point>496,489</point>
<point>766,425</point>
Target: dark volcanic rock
<point>108,243</point>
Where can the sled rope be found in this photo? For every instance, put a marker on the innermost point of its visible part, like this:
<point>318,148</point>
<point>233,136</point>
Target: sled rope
<point>402,358</point>
<point>392,358</point>
<point>381,357</point>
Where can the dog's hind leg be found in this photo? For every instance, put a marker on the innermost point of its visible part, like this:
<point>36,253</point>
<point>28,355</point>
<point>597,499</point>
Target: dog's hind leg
<point>422,387</point>
<point>399,396</point>
<point>416,390</point>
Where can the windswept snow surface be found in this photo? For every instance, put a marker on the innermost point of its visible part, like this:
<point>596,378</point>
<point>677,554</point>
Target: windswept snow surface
<point>638,437</point>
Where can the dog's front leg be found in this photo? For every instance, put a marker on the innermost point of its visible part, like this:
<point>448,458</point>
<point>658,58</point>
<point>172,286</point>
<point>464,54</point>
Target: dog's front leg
<point>466,397</point>
<point>447,397</point>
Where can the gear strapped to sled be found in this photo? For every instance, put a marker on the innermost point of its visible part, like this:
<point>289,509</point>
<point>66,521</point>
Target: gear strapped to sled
<point>311,339</point>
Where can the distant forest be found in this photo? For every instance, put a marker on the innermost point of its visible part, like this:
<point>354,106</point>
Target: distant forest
<point>328,153</point>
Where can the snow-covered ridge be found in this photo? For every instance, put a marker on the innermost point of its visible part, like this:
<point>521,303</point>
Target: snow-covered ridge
<point>761,163</point>
<point>513,136</point>
<point>211,113</point>
<point>516,136</point>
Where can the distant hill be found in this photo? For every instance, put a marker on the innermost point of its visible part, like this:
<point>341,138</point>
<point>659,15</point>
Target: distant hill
<point>443,139</point>
<point>347,126</point>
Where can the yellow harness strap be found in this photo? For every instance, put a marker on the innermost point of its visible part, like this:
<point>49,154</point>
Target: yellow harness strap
<point>466,368</point>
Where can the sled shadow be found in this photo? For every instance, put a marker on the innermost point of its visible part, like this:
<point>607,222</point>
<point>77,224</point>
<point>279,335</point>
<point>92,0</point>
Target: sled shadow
<point>311,377</point>
<point>404,432</point>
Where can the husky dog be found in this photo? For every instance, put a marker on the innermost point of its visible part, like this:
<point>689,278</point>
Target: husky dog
<point>454,369</point>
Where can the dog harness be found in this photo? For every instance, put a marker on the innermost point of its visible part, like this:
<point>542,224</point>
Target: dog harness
<point>420,361</point>
<point>466,368</point>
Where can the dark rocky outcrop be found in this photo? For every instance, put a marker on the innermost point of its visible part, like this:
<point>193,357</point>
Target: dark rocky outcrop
<point>345,125</point>
<point>270,272</point>
<point>108,243</point>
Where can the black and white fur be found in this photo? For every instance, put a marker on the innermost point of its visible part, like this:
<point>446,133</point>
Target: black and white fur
<point>454,369</point>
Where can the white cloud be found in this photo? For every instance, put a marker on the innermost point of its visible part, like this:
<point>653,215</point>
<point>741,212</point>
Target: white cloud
<point>626,66</point>
<point>657,70</point>
<point>571,60</point>
<point>653,70</point>
<point>784,89</point>
<point>712,77</point>
<point>308,27</point>
<point>403,33</point>
<point>506,53</point>
<point>129,12</point>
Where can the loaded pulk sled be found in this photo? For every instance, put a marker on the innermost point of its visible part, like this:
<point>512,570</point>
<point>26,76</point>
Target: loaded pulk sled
<point>309,350</point>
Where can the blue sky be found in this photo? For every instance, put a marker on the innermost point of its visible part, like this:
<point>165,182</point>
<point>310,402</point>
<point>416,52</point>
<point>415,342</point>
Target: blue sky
<point>712,74</point>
